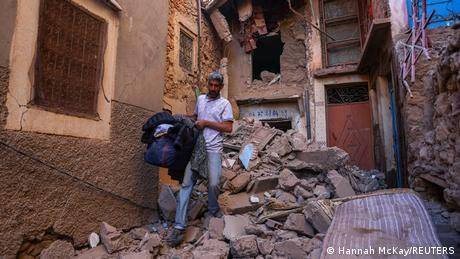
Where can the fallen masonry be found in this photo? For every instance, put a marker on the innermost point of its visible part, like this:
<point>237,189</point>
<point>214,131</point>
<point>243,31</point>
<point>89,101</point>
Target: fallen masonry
<point>272,207</point>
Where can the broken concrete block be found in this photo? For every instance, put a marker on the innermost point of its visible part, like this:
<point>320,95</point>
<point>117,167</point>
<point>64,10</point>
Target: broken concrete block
<point>283,235</point>
<point>331,158</point>
<point>138,233</point>
<point>144,254</point>
<point>59,249</point>
<point>221,25</point>
<point>99,252</point>
<point>195,207</point>
<point>262,184</point>
<point>289,249</point>
<point>298,141</point>
<point>297,222</point>
<point>244,246</point>
<point>192,234</point>
<point>216,228</point>
<point>285,197</point>
<point>167,202</point>
<point>341,184</point>
<point>265,246</point>
<point>321,192</point>
<point>238,203</point>
<point>287,180</point>
<point>228,174</point>
<point>317,217</point>
<point>212,249</point>
<point>110,237</point>
<point>309,184</point>
<point>257,230</point>
<point>234,226</point>
<point>301,192</point>
<point>151,243</point>
<point>239,182</point>
<point>281,146</point>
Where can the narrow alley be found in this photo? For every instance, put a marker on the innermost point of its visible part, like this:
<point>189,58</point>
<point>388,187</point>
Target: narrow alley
<point>333,127</point>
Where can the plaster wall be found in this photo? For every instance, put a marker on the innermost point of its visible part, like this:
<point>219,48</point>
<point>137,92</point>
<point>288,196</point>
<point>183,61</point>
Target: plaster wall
<point>398,17</point>
<point>385,121</point>
<point>7,20</point>
<point>21,115</point>
<point>143,35</point>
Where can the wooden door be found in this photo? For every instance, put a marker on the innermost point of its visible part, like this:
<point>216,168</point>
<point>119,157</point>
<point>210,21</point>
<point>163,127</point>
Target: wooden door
<point>349,125</point>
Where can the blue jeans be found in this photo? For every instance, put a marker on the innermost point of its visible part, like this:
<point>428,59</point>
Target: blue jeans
<point>190,177</point>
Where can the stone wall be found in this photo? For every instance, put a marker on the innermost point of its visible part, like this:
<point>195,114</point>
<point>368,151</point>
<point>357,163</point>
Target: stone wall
<point>180,89</point>
<point>432,117</point>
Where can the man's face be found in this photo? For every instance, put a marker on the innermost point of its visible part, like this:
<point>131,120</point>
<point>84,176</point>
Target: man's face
<point>214,88</point>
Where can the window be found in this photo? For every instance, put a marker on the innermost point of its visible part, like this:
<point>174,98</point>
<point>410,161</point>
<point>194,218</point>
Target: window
<point>186,51</point>
<point>267,55</point>
<point>69,58</point>
<point>340,19</point>
<point>349,94</point>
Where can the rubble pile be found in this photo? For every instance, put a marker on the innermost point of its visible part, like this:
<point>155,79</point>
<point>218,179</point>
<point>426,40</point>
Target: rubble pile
<point>272,186</point>
<point>434,158</point>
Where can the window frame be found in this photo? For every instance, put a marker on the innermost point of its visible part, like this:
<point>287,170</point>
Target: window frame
<point>98,84</point>
<point>183,30</point>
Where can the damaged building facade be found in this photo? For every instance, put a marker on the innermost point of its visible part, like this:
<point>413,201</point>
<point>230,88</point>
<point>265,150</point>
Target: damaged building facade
<point>78,80</point>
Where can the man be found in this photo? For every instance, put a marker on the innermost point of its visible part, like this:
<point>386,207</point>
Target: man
<point>213,114</point>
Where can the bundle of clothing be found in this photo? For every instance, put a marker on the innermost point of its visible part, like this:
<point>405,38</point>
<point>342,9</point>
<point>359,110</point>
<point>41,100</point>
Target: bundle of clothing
<point>172,141</point>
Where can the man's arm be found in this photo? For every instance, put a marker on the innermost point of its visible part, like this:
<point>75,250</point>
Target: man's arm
<point>226,126</point>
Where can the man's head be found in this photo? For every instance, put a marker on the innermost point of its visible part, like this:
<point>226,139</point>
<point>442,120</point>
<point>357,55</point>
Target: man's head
<point>215,84</point>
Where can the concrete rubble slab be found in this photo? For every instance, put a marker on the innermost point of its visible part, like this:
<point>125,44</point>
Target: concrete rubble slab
<point>167,202</point>
<point>281,146</point>
<point>139,255</point>
<point>244,246</point>
<point>212,249</point>
<point>110,237</point>
<point>238,203</point>
<point>342,185</point>
<point>265,246</point>
<point>240,182</point>
<point>297,222</point>
<point>234,226</point>
<point>331,158</point>
<point>228,174</point>
<point>262,184</point>
<point>58,249</point>
<point>316,217</point>
<point>287,180</point>
<point>216,228</point>
<point>194,209</point>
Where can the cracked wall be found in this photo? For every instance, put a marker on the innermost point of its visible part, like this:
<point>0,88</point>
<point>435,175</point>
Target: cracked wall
<point>71,184</point>
<point>178,83</point>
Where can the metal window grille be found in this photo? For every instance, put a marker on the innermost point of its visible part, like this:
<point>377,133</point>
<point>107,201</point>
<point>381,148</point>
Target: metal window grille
<point>186,51</point>
<point>349,94</point>
<point>69,58</point>
<point>341,19</point>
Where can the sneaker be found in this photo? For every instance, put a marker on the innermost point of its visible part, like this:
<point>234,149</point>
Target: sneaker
<point>175,237</point>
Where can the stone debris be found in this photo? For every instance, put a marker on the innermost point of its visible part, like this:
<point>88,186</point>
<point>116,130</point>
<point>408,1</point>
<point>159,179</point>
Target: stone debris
<point>59,249</point>
<point>271,205</point>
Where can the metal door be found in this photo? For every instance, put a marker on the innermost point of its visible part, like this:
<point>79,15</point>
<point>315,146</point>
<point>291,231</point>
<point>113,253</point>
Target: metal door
<point>349,125</point>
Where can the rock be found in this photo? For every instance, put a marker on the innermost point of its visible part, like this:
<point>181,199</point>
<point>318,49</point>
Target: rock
<point>282,235</point>
<point>301,192</point>
<point>244,246</point>
<point>110,237</point>
<point>309,184</point>
<point>288,180</point>
<point>281,146</point>
<point>258,230</point>
<point>195,208</point>
<point>228,174</point>
<point>455,221</point>
<point>212,249</point>
<point>262,184</point>
<point>297,222</point>
<point>151,243</point>
<point>238,203</point>
<point>286,198</point>
<point>239,182</point>
<point>265,246</point>
<point>192,234</point>
<point>216,228</point>
<point>99,252</point>
<point>316,217</point>
<point>331,158</point>
<point>234,226</point>
<point>298,141</point>
<point>341,184</point>
<point>138,233</point>
<point>144,254</point>
<point>289,249</point>
<point>167,202</point>
<point>321,192</point>
<point>267,76</point>
<point>59,249</point>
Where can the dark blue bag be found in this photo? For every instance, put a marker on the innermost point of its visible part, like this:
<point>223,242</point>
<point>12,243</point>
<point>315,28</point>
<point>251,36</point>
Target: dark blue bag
<point>161,152</point>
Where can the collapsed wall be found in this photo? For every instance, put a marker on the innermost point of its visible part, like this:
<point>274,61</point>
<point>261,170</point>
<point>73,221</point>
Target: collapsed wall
<point>432,118</point>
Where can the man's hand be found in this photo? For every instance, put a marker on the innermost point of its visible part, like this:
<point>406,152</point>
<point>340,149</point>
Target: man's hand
<point>201,124</point>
